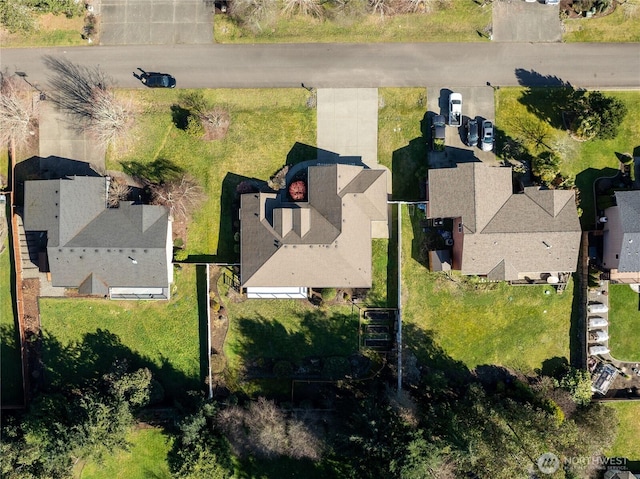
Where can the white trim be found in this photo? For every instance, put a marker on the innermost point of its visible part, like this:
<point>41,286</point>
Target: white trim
<point>277,292</point>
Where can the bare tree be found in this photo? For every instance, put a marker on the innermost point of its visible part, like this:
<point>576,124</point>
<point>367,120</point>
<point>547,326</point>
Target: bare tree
<point>254,14</point>
<point>382,7</point>
<point>307,8</point>
<point>265,430</point>
<point>181,196</point>
<point>118,191</point>
<point>85,93</point>
<point>18,114</point>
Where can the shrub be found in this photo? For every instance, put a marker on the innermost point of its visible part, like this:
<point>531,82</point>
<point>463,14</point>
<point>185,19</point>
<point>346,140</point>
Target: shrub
<point>214,305</point>
<point>194,126</point>
<point>578,383</point>
<point>328,294</point>
<point>180,255</point>
<point>546,166</point>
<point>279,180</point>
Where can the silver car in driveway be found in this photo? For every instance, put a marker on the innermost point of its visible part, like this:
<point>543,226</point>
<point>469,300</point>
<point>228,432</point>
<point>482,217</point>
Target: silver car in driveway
<point>487,136</point>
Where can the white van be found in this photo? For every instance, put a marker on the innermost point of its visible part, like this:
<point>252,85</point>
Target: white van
<point>597,322</point>
<point>597,308</point>
<point>595,350</point>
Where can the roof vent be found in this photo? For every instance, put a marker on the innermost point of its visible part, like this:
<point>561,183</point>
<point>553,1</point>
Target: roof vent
<point>547,245</point>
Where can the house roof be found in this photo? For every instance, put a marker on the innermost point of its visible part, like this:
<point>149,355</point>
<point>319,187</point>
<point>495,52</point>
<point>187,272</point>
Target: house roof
<point>629,206</point>
<point>506,234</point>
<point>324,242</point>
<point>93,247</point>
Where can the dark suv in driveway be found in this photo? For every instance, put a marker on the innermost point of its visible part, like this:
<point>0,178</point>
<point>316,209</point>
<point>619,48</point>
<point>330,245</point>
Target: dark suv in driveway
<point>472,132</point>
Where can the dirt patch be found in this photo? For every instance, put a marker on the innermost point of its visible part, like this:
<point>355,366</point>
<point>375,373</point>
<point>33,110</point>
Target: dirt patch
<point>216,124</point>
<point>219,326</point>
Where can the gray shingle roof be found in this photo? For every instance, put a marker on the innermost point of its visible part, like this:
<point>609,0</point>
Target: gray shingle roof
<point>629,206</point>
<point>93,247</point>
<point>506,235</point>
<point>324,242</point>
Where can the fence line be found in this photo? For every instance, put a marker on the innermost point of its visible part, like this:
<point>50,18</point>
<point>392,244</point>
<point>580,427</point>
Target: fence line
<point>18,299</point>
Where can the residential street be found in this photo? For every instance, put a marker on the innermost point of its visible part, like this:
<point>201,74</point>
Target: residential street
<point>353,65</point>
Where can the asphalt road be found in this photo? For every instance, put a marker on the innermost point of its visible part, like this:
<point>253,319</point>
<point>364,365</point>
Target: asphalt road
<point>605,65</point>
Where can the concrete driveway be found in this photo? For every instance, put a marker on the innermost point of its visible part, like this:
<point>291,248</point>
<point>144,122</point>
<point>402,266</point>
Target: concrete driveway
<point>156,22</point>
<point>478,103</point>
<point>520,21</point>
<point>347,124</point>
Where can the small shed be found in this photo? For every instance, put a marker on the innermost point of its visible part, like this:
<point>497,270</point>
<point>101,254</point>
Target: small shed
<point>440,260</point>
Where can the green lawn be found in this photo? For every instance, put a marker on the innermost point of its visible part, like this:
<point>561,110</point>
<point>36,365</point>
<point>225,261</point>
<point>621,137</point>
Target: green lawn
<point>10,362</point>
<point>521,110</point>
<point>627,444</point>
<point>268,129</point>
<point>288,330</point>
<point>459,22</point>
<point>401,142</point>
<point>483,323</point>
<point>146,458</point>
<point>621,26</point>
<point>624,323</point>
<point>52,30</point>
<point>84,336</point>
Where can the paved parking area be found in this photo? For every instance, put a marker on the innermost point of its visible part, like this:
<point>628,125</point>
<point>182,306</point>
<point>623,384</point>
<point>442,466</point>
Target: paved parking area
<point>60,139</point>
<point>157,22</point>
<point>478,103</point>
<point>520,21</point>
<point>348,123</point>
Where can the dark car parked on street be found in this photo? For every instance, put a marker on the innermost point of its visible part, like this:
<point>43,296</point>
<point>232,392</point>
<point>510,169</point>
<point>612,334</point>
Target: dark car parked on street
<point>158,80</point>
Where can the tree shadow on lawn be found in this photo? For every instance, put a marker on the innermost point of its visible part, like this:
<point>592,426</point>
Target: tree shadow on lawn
<point>320,334</point>
<point>546,97</point>
<point>11,364</point>
<point>157,172</point>
<point>439,372</point>
<point>80,363</point>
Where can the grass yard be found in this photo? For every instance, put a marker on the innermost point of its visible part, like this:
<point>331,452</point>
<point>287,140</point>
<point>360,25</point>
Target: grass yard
<point>288,330</point>
<point>459,22</point>
<point>520,111</point>
<point>401,142</point>
<point>624,323</point>
<point>623,25</point>
<point>146,457</point>
<point>483,323</point>
<point>84,336</point>
<point>268,129</point>
<point>627,444</point>
<point>10,361</point>
<point>51,31</point>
